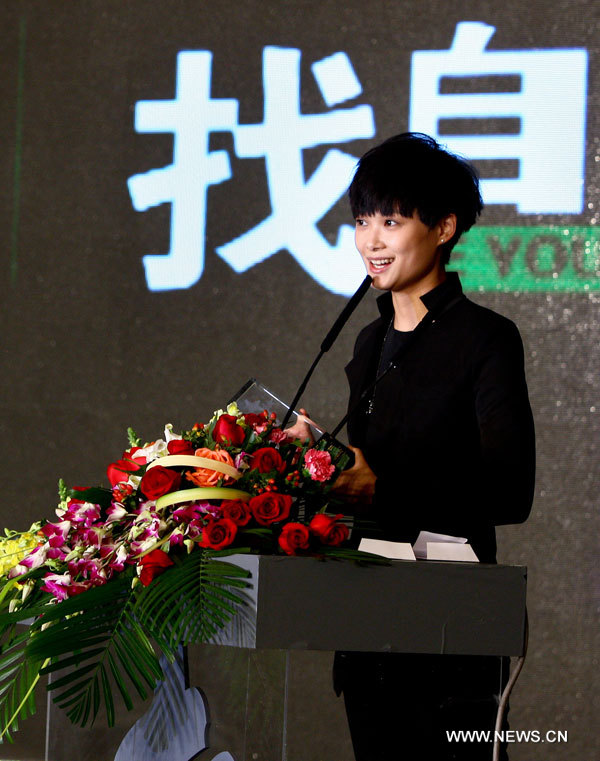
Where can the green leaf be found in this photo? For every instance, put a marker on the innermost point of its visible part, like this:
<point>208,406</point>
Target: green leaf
<point>9,660</point>
<point>134,439</point>
<point>108,698</point>
<point>139,659</point>
<point>74,692</point>
<point>71,676</point>
<point>95,697</point>
<point>140,643</point>
<point>18,676</point>
<point>89,637</point>
<point>62,490</point>
<point>258,531</point>
<point>84,709</point>
<point>130,671</point>
<point>74,660</point>
<point>97,495</point>
<point>16,696</point>
<point>120,682</point>
<point>203,607</point>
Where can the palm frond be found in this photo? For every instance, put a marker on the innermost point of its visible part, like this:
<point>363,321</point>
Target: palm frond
<point>18,677</point>
<point>95,645</point>
<point>208,591</point>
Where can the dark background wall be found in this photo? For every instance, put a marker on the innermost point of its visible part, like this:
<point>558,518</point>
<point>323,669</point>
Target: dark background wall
<point>88,349</point>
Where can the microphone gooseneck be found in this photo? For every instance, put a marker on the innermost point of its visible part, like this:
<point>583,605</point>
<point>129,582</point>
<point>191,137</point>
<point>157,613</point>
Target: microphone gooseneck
<point>328,341</point>
<point>345,314</point>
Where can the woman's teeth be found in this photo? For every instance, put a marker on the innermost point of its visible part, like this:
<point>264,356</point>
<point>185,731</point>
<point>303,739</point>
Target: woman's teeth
<point>379,264</point>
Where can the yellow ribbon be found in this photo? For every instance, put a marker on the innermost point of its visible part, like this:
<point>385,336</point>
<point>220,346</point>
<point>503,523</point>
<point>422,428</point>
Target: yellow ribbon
<point>201,493</point>
<point>189,460</point>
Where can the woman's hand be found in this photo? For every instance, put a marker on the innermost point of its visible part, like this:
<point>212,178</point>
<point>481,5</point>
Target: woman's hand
<point>301,428</point>
<point>357,484</point>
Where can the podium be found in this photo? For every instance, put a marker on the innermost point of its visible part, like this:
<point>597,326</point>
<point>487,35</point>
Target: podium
<point>263,691</point>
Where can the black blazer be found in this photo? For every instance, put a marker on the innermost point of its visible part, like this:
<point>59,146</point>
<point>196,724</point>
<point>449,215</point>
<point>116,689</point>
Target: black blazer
<point>451,435</point>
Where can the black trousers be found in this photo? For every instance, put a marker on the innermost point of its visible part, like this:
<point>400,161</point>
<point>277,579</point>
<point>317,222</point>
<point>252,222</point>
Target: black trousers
<point>401,706</point>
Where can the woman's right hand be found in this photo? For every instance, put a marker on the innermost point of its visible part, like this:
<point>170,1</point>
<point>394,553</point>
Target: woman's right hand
<point>301,428</point>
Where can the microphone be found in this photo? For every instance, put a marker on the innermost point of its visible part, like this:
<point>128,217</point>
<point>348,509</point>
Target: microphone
<point>345,314</point>
<point>328,341</point>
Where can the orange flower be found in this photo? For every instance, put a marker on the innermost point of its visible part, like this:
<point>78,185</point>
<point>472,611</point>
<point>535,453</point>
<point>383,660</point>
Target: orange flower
<point>208,476</point>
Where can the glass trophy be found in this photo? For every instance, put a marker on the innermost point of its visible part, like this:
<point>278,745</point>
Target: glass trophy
<point>254,397</point>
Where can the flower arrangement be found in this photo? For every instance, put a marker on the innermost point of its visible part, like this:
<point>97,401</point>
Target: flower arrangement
<point>174,508</point>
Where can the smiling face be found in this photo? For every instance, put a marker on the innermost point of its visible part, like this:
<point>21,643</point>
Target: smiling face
<point>401,253</point>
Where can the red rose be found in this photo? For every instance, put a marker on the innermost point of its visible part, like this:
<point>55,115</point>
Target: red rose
<point>119,471</point>
<point>328,530</point>
<point>227,431</point>
<point>236,510</point>
<point>158,481</point>
<point>252,419</point>
<point>131,453</point>
<point>180,446</point>
<point>218,534</point>
<point>153,564</point>
<point>294,537</point>
<point>270,507</point>
<point>267,459</point>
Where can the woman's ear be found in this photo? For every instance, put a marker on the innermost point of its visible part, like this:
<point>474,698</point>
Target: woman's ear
<point>447,227</point>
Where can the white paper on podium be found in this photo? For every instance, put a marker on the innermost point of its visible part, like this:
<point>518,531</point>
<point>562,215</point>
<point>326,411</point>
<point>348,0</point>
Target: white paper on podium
<point>392,550</point>
<point>451,551</point>
<point>420,546</point>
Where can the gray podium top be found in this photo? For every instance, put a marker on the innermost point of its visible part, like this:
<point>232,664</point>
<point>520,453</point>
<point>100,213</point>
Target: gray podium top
<point>412,607</point>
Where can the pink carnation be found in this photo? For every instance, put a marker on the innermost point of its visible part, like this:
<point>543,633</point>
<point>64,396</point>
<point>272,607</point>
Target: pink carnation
<point>277,436</point>
<point>318,464</point>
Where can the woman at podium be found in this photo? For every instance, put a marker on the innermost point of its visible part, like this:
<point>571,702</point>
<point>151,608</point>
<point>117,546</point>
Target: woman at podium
<point>444,442</point>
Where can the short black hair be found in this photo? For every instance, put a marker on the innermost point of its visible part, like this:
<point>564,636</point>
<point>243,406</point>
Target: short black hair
<point>412,172</point>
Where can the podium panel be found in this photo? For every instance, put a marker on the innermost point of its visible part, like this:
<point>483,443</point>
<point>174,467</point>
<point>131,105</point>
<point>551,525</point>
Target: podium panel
<point>406,607</point>
<point>265,693</point>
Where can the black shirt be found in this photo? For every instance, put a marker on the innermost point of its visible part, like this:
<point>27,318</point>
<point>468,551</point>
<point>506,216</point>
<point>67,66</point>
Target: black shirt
<point>393,342</point>
<point>450,436</point>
